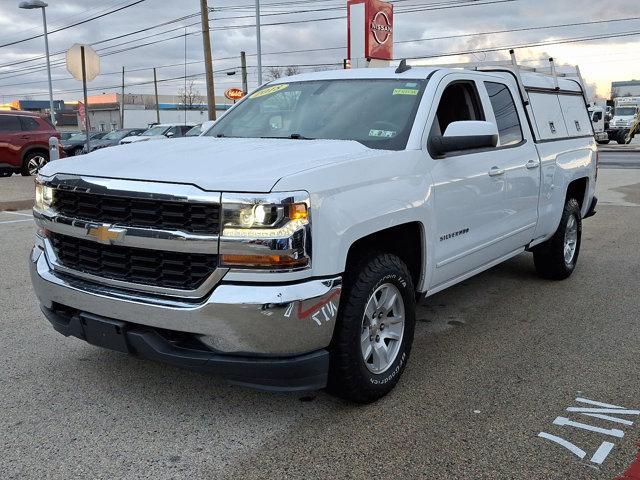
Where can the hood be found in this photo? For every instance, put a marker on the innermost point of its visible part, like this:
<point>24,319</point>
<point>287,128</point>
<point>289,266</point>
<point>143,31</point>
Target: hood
<point>213,164</point>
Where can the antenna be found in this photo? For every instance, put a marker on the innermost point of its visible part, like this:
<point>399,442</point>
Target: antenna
<point>403,67</point>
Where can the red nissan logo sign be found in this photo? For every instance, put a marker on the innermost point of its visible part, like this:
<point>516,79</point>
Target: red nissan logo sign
<point>381,27</point>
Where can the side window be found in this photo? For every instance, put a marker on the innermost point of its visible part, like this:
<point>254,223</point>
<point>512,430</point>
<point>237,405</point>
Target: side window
<point>175,131</point>
<point>459,102</point>
<point>9,123</point>
<point>506,114</point>
<point>29,124</point>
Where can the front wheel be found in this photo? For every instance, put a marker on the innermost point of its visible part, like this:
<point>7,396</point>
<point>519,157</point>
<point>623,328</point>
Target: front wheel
<point>33,162</point>
<point>556,258</point>
<point>374,331</point>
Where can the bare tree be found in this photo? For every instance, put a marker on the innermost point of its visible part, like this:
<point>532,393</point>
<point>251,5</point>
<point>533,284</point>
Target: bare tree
<point>291,70</point>
<point>273,73</point>
<point>190,97</point>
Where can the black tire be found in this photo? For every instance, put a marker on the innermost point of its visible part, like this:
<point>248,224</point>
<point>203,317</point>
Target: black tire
<point>549,257</point>
<point>77,151</point>
<point>604,142</point>
<point>349,376</point>
<point>25,170</point>
<point>5,173</point>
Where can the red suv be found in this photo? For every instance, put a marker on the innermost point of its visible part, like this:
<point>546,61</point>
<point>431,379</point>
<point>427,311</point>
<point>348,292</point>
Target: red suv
<point>24,142</point>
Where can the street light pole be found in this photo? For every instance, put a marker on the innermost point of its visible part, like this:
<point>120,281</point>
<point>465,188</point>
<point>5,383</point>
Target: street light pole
<point>259,40</point>
<point>30,5</point>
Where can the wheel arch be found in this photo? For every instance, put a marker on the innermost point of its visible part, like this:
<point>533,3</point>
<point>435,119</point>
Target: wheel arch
<point>407,241</point>
<point>32,149</point>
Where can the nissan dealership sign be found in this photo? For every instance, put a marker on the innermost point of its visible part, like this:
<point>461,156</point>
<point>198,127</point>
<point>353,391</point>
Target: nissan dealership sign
<point>370,24</point>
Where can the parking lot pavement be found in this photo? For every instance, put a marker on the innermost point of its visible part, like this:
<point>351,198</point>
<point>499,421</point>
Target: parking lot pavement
<point>496,361</point>
<point>16,192</point>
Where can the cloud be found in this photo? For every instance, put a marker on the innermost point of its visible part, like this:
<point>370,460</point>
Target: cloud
<point>312,34</point>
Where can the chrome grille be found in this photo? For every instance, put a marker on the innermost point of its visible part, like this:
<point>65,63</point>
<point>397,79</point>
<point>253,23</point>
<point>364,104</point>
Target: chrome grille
<point>175,270</point>
<point>191,217</point>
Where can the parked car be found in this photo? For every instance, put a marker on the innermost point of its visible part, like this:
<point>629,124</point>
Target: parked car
<point>195,131</point>
<point>68,135</point>
<point>160,132</point>
<point>286,248</point>
<point>114,137</point>
<point>76,144</point>
<point>24,142</point>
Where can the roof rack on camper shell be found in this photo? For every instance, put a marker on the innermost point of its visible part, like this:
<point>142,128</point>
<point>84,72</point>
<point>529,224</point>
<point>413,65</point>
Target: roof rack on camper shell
<point>529,78</point>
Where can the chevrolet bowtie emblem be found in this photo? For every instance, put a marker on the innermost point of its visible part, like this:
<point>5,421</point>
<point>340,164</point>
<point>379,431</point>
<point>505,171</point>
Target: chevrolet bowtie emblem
<point>105,234</point>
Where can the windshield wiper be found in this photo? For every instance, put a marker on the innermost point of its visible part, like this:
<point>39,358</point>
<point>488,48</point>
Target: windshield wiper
<point>293,136</point>
<point>297,136</point>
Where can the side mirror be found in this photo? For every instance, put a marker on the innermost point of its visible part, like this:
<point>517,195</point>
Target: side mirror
<point>466,135</point>
<point>169,134</point>
<point>206,126</point>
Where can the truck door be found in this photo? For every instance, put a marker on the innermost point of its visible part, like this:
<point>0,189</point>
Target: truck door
<point>469,188</point>
<point>517,155</point>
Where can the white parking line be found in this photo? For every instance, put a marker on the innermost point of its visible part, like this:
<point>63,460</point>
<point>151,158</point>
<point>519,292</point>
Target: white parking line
<point>15,221</point>
<point>18,213</point>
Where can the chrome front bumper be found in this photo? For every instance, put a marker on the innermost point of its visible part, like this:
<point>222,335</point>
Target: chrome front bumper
<point>273,320</point>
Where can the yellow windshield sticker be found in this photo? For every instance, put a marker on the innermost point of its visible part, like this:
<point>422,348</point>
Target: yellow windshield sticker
<point>405,91</point>
<point>269,90</point>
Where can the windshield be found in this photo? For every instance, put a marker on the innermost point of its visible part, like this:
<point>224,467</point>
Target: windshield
<point>78,136</point>
<point>153,131</point>
<point>626,111</point>
<point>115,135</point>
<point>376,113</point>
<point>194,132</point>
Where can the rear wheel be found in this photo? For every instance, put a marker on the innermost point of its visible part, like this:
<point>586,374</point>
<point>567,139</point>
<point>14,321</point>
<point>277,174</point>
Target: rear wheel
<point>556,258</point>
<point>33,162</point>
<point>374,331</point>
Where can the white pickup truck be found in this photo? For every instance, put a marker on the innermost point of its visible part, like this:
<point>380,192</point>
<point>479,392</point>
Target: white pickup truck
<point>286,247</point>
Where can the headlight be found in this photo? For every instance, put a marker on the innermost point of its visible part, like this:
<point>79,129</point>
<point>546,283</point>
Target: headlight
<point>44,196</point>
<point>266,231</point>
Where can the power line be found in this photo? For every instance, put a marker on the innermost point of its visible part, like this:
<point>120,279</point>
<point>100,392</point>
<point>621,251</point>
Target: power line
<point>74,24</point>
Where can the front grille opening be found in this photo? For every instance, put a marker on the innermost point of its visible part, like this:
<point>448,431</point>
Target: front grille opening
<point>190,217</point>
<point>176,270</point>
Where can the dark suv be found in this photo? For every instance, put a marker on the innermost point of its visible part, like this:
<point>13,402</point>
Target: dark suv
<point>24,142</point>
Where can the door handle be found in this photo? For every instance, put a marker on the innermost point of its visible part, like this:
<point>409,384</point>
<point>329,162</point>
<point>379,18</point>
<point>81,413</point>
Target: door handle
<point>532,164</point>
<point>496,172</point>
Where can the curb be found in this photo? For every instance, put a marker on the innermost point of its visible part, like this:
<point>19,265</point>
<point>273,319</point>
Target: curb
<point>17,205</point>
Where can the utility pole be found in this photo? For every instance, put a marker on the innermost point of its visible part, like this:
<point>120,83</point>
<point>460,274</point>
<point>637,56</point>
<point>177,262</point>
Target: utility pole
<point>208,61</point>
<point>155,85</point>
<point>243,66</point>
<point>122,101</point>
<point>259,40</point>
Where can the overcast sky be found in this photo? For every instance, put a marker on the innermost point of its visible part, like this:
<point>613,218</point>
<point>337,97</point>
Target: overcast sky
<point>601,61</point>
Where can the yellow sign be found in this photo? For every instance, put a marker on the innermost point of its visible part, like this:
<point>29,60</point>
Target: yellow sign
<point>405,91</point>
<point>269,90</point>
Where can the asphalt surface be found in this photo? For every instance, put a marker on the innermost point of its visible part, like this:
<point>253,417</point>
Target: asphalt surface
<point>620,160</point>
<point>495,361</point>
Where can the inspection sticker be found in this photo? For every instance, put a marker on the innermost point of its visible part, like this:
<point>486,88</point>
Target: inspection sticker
<point>382,133</point>
<point>269,90</point>
<point>406,91</point>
